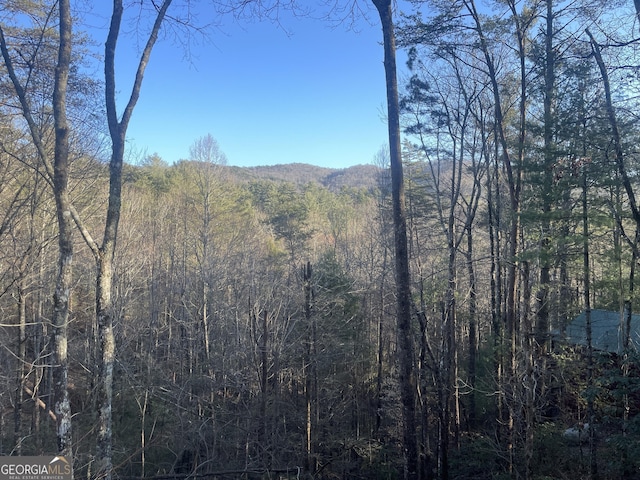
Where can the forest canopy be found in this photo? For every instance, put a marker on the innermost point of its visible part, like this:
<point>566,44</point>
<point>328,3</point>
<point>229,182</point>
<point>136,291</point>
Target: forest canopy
<point>198,319</point>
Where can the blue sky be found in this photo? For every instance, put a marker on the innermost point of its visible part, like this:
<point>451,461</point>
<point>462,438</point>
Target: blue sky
<point>308,91</point>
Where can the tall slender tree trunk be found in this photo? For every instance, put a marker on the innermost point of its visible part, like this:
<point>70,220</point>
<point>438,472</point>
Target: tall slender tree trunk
<point>104,254</point>
<point>529,390</point>
<point>21,361</point>
<point>403,282</point>
<point>515,183</point>
<point>494,214</point>
<point>626,360</point>
<point>39,347</point>
<point>58,175</point>
<point>593,463</point>
<point>615,131</point>
<point>635,211</point>
<point>61,298</point>
<point>447,375</point>
<point>310,370</point>
<point>380,349</point>
<point>264,386</point>
<point>512,162</point>
<point>473,329</point>
<point>106,341</point>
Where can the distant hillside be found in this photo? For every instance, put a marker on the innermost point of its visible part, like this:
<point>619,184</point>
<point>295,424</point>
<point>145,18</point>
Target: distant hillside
<point>358,176</point>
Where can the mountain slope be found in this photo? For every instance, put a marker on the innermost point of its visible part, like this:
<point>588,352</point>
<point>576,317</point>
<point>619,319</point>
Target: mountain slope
<point>358,176</point>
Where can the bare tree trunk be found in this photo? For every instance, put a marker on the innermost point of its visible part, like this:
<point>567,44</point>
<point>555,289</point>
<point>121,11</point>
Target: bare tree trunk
<point>310,371</point>
<point>529,380</point>
<point>142,408</point>
<point>380,349</point>
<point>447,375</point>
<point>39,348</point>
<point>626,182</point>
<point>104,254</point>
<point>473,329</point>
<point>403,281</point>
<point>593,464</point>
<point>626,361</point>
<point>494,215</point>
<point>512,164</point>
<point>61,298</point>
<point>57,175</point>
<point>20,370</point>
<point>615,132</point>
<point>62,404</point>
<point>264,385</point>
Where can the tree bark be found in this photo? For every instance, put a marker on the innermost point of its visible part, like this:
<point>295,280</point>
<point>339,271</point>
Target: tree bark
<point>22,360</point>
<point>473,330</point>
<point>512,162</point>
<point>496,284</point>
<point>62,403</point>
<point>586,269</point>
<point>405,340</point>
<point>57,175</point>
<point>310,371</point>
<point>615,132</point>
<point>104,255</point>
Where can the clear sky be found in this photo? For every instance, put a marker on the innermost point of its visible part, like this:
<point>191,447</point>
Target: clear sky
<point>308,92</point>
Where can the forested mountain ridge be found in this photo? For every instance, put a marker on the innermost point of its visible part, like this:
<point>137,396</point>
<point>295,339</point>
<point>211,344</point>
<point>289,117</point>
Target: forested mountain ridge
<point>245,323</point>
<point>357,176</point>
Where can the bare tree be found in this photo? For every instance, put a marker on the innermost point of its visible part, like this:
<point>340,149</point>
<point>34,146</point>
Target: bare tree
<point>403,280</point>
<point>57,172</point>
<point>104,254</point>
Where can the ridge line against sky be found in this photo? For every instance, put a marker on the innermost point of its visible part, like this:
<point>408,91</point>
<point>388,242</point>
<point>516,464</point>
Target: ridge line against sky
<point>308,92</point>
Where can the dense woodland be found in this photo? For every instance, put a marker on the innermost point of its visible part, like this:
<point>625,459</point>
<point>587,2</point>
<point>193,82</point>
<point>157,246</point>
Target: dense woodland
<point>197,320</point>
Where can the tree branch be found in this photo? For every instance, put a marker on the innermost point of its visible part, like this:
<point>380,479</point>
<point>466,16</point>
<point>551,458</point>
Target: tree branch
<point>615,132</point>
